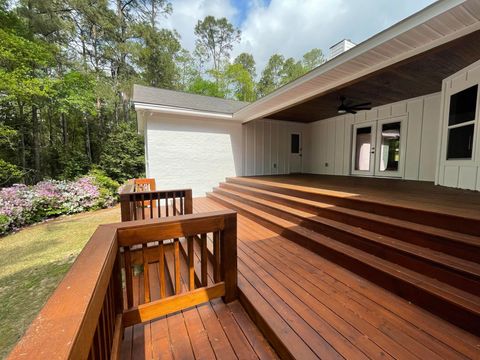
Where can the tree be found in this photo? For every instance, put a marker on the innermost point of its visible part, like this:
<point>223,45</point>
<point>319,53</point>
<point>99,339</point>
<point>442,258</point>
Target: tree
<point>248,63</point>
<point>156,57</point>
<point>271,75</point>
<point>215,40</point>
<point>312,59</point>
<point>239,83</point>
<point>291,70</point>
<point>205,87</point>
<point>123,157</point>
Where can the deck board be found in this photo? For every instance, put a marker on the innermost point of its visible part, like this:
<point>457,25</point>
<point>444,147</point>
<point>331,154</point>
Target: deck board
<point>334,312</point>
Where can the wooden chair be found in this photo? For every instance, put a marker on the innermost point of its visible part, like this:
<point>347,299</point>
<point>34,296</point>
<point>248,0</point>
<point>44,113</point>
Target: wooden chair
<point>144,185</point>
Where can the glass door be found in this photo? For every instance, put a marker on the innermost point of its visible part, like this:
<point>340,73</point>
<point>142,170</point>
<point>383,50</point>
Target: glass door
<point>390,149</point>
<point>363,154</point>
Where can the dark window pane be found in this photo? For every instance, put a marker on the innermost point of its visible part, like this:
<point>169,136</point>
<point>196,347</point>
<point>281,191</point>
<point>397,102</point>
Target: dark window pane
<point>364,130</point>
<point>463,105</point>
<point>460,142</point>
<point>295,147</point>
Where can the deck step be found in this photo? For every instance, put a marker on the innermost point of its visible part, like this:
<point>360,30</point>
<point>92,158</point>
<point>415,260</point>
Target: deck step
<point>464,246</point>
<point>454,271</point>
<point>448,302</point>
<point>412,214</point>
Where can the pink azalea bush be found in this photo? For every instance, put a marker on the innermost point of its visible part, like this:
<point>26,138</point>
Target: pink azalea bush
<point>22,205</point>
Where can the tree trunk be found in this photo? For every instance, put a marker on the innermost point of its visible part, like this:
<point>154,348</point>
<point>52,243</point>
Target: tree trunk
<point>88,146</point>
<point>64,131</point>
<point>36,142</point>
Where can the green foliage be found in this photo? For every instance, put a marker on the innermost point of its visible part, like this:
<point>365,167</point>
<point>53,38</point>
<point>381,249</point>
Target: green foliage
<point>271,75</point>
<point>248,63</point>
<point>108,187</point>
<point>75,164</point>
<point>123,155</point>
<point>312,59</point>
<point>9,173</point>
<point>205,87</point>
<point>215,40</point>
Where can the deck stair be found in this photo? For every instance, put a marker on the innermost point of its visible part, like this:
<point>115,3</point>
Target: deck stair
<point>411,255</point>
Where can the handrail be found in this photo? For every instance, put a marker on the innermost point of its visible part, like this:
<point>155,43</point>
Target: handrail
<point>85,316</point>
<point>149,204</point>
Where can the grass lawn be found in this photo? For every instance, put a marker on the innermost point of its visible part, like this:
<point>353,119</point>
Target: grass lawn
<point>32,263</point>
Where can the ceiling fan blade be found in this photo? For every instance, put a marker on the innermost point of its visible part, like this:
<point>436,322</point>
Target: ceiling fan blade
<point>351,111</point>
<point>361,105</point>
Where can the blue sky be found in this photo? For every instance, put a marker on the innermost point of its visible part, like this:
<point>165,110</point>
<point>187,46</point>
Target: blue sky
<point>292,27</point>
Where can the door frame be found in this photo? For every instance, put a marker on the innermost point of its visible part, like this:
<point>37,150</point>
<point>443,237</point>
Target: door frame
<point>403,142</point>
<point>300,153</point>
<point>373,137</point>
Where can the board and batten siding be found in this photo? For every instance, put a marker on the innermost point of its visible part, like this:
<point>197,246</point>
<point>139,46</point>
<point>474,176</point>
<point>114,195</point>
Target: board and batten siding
<point>331,139</point>
<point>464,174</point>
<point>266,145</point>
<point>196,153</point>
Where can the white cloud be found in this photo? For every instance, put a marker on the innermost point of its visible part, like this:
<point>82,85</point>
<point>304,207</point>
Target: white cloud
<point>292,27</point>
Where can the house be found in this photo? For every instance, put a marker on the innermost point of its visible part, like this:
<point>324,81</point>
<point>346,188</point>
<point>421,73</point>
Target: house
<point>421,77</point>
<point>348,261</point>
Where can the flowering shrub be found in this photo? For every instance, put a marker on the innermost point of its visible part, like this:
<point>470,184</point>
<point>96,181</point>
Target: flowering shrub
<point>21,205</point>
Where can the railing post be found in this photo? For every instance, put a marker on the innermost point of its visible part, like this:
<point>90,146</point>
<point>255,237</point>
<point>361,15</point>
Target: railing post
<point>188,202</point>
<point>125,207</point>
<point>228,257</point>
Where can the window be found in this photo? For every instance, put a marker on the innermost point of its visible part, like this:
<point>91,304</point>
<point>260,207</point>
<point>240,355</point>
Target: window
<point>461,124</point>
<point>295,144</point>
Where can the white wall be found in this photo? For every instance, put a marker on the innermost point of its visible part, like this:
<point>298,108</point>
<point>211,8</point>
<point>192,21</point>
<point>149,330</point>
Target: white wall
<point>331,139</point>
<point>463,174</point>
<point>267,146</point>
<point>192,153</point>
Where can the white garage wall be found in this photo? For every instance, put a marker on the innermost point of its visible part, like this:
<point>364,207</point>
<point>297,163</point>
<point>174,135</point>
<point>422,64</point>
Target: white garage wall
<point>267,146</point>
<point>330,139</point>
<point>192,153</point>
<point>464,174</point>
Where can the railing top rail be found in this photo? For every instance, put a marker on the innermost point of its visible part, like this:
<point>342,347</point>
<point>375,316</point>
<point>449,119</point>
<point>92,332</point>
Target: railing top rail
<point>65,326</point>
<point>143,231</point>
<point>176,191</point>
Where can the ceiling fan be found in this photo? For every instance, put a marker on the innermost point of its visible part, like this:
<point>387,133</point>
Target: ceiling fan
<point>347,107</point>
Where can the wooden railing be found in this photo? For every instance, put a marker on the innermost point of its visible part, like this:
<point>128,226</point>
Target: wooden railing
<point>86,315</point>
<point>154,204</point>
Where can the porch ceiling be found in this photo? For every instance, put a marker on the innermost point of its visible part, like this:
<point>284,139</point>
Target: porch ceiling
<point>415,76</point>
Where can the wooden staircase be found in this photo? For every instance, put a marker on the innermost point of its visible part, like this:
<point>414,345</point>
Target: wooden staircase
<point>429,258</point>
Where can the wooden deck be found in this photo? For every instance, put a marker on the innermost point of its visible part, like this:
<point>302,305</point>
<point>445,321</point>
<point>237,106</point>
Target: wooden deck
<point>317,309</point>
<point>414,194</point>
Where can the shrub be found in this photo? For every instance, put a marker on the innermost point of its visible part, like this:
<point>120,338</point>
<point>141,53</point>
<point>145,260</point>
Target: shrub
<point>21,205</point>
<point>123,154</point>
<point>9,173</point>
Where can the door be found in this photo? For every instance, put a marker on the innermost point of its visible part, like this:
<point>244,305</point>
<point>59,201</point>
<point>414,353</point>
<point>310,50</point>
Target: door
<point>363,149</point>
<point>390,147</point>
<point>295,153</point>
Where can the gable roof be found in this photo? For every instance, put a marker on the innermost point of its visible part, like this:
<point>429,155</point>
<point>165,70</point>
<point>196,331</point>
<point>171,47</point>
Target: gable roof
<point>182,100</point>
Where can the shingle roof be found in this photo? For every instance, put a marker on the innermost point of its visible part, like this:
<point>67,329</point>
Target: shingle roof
<point>178,99</point>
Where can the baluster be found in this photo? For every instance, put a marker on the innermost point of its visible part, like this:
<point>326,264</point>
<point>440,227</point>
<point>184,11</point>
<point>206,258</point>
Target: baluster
<point>159,206</point>
<point>143,206</point>
<point>176,248</point>
<point>128,276</point>
<point>161,269</point>
<point>151,206</point>
<point>166,204</point>
<point>146,282</point>
<point>204,259</point>
<point>191,266</point>
<point>216,254</point>
<point>104,333</point>
<point>134,202</point>
<point>182,209</point>
<point>174,204</point>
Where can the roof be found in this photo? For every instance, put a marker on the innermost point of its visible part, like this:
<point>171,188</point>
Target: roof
<point>440,23</point>
<point>437,24</point>
<point>182,100</point>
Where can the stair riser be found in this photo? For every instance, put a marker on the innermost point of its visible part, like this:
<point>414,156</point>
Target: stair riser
<point>451,312</point>
<point>428,240</point>
<point>465,281</point>
<point>444,221</point>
